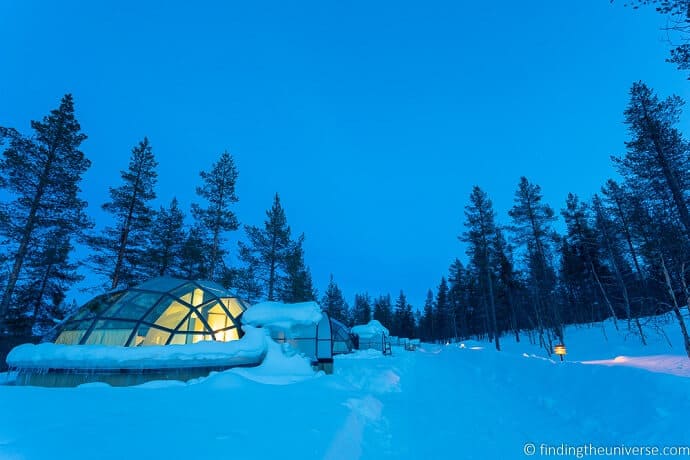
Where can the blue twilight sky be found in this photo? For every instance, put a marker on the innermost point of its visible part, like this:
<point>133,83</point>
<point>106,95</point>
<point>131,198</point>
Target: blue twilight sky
<point>372,119</point>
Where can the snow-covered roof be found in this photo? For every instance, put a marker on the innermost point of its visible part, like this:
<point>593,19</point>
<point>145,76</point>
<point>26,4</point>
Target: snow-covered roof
<point>372,329</point>
<point>281,315</point>
<point>250,349</point>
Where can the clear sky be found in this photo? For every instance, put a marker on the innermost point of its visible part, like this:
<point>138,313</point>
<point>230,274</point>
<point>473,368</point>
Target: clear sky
<point>372,119</point>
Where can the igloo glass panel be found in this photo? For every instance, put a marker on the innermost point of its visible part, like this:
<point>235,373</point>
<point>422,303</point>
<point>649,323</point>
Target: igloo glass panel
<point>233,306</point>
<point>95,307</point>
<point>227,335</point>
<point>169,314</point>
<point>193,324</point>
<point>162,284</point>
<point>195,297</point>
<point>214,288</point>
<point>200,337</point>
<point>151,336</point>
<point>73,332</point>
<point>110,333</point>
<point>136,307</point>
<point>215,316</point>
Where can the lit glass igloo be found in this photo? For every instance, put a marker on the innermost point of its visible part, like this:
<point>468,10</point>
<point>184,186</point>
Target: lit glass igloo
<point>162,311</point>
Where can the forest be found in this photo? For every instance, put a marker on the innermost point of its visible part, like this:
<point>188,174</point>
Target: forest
<point>623,253</point>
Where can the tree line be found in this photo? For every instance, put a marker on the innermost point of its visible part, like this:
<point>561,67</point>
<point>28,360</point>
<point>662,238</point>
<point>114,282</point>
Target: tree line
<point>623,254</point>
<point>43,218</point>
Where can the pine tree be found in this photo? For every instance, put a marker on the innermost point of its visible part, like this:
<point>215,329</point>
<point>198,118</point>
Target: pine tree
<point>216,218</point>
<point>298,285</point>
<point>427,323</point>
<point>268,250</point>
<point>334,303</point>
<point>167,240</point>
<point>121,251</point>
<point>581,267</point>
<point>50,274</point>
<point>403,319</point>
<point>677,21</point>
<point>245,282</point>
<point>532,230</point>
<point>194,262</point>
<point>42,174</point>
<point>620,240</point>
<point>458,297</point>
<point>383,310</point>
<point>657,156</point>
<point>480,234</point>
<point>362,309</point>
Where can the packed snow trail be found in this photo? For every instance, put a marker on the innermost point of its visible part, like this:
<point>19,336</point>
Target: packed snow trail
<point>437,402</point>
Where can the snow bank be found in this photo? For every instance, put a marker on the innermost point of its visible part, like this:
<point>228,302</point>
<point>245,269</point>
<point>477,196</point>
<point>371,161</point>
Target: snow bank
<point>280,315</point>
<point>278,368</point>
<point>372,329</point>
<point>250,349</point>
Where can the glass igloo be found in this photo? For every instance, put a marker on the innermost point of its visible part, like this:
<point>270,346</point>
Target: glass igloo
<point>162,311</point>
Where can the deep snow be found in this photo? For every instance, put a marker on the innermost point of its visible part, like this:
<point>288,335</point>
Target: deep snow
<point>455,401</point>
<point>250,349</point>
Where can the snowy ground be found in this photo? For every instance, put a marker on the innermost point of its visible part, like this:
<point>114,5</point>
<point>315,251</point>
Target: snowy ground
<point>437,402</point>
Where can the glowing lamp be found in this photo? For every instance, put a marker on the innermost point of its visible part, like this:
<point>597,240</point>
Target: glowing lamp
<point>559,350</point>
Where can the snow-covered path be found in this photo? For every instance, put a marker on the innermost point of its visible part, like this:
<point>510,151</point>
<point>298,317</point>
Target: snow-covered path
<point>437,402</point>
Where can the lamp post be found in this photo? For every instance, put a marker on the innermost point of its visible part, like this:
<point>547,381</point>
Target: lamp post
<point>559,350</point>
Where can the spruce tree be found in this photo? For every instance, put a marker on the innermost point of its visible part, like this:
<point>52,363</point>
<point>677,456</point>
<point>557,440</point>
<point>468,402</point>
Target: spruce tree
<point>298,285</point>
<point>246,283</point>
<point>383,310</point>
<point>657,158</point>
<point>458,297</point>
<point>268,250</point>
<point>507,282</point>
<point>41,174</point>
<point>403,319</point>
<point>581,267</point>
<point>427,330</point>
<point>361,309</point>
<point>216,217</point>
<point>445,314</point>
<point>121,251</point>
<point>194,256</point>
<point>334,303</point>
<point>167,241</point>
<point>479,236</point>
<point>532,230</point>
<point>50,273</point>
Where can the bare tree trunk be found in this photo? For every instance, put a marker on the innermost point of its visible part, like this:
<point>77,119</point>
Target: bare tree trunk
<point>494,324</point>
<point>27,234</point>
<point>676,310</point>
<point>606,299</point>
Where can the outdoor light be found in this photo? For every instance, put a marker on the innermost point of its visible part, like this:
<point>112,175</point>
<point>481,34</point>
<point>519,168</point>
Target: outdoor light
<point>559,350</point>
